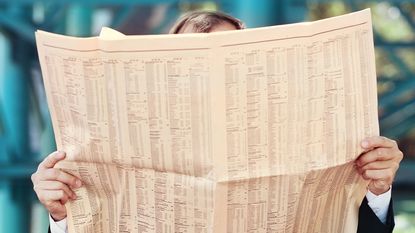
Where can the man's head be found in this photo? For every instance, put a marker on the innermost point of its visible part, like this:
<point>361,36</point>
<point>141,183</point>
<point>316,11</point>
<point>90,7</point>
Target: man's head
<point>205,22</point>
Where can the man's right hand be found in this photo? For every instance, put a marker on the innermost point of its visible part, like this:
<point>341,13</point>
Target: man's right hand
<point>54,187</point>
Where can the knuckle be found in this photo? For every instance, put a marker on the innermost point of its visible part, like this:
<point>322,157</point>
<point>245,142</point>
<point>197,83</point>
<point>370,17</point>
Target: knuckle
<point>53,173</point>
<point>39,167</point>
<point>365,174</point>
<point>381,153</point>
<point>396,166</point>
<point>33,177</point>
<point>41,198</point>
<point>400,155</point>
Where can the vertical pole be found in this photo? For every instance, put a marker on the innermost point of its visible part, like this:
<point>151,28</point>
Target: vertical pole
<point>14,198</point>
<point>12,217</point>
<point>79,20</point>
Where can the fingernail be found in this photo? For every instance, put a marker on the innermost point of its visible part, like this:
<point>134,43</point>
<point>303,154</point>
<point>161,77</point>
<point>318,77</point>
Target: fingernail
<point>61,154</point>
<point>365,144</point>
<point>78,183</point>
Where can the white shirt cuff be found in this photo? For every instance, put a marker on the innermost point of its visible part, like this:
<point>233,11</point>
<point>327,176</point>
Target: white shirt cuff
<point>57,227</point>
<point>379,204</point>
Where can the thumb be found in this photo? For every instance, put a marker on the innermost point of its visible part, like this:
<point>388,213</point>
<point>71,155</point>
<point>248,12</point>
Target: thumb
<point>57,210</point>
<point>52,159</point>
<point>378,186</point>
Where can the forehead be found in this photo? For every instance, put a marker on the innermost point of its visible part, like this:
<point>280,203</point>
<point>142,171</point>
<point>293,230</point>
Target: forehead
<point>222,26</point>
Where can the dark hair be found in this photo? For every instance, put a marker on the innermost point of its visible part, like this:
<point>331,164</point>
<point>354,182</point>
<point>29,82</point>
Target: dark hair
<point>204,21</point>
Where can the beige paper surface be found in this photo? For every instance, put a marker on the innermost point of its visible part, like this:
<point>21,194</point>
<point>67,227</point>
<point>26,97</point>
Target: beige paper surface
<point>238,131</point>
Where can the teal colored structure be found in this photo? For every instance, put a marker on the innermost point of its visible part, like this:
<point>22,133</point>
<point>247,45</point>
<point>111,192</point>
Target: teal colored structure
<point>21,107</point>
<point>14,203</point>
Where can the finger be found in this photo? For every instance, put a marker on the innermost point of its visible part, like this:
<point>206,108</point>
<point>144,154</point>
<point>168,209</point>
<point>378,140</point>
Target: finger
<point>54,174</point>
<point>378,154</point>
<point>379,165</point>
<point>61,201</point>
<point>379,187</point>
<point>49,196</point>
<point>55,185</point>
<point>377,141</point>
<point>57,210</point>
<point>55,206</point>
<point>385,174</point>
<point>52,159</point>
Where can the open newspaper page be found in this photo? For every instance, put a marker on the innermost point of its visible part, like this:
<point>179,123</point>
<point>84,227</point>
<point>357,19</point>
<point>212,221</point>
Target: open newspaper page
<point>238,131</point>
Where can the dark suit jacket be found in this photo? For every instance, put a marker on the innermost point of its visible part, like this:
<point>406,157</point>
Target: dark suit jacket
<point>369,222</point>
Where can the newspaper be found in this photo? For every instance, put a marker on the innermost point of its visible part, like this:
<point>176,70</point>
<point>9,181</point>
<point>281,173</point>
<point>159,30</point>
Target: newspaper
<point>239,131</point>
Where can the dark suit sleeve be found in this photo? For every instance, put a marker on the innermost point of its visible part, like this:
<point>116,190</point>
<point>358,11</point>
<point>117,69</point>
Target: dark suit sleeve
<point>369,222</point>
<point>49,230</point>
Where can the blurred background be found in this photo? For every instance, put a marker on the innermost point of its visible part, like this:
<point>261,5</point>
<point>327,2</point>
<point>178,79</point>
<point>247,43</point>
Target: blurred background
<point>26,134</point>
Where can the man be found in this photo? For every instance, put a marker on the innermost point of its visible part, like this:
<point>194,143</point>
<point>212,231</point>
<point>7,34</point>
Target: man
<point>378,163</point>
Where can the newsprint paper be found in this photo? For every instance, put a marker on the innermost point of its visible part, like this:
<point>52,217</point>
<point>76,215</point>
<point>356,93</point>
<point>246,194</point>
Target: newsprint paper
<point>239,131</point>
